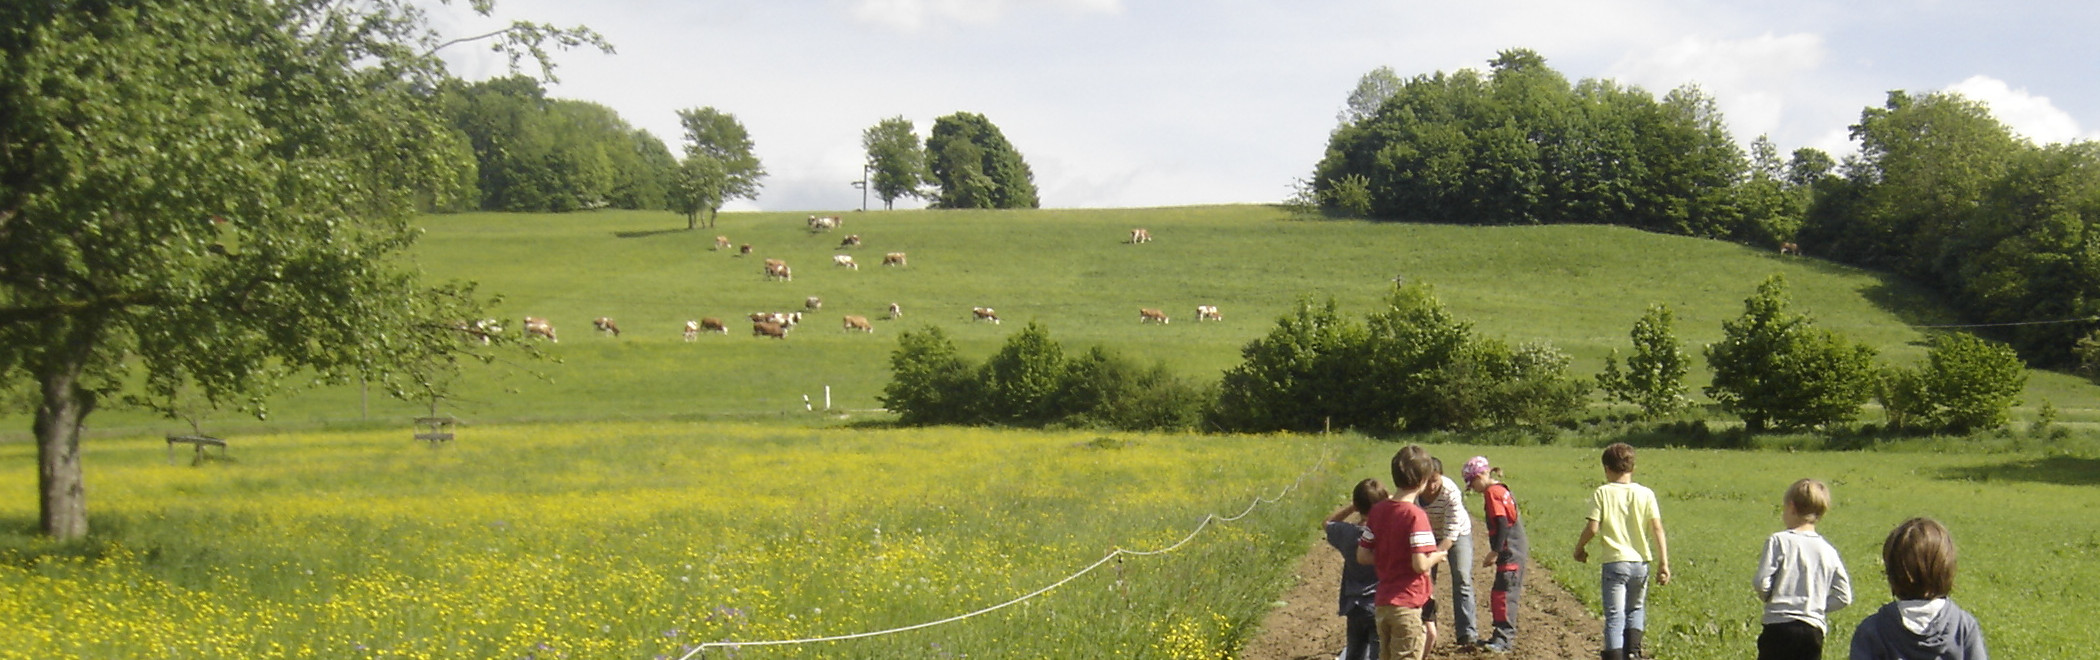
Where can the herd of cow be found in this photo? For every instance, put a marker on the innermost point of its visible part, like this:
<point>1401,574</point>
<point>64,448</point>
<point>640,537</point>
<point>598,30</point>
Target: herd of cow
<point>777,324</point>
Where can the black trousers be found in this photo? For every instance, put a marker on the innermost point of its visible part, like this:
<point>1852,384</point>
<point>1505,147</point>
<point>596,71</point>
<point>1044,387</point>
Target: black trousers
<point>1793,639</point>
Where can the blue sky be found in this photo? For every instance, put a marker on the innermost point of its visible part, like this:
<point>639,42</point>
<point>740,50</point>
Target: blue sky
<point>1124,103</point>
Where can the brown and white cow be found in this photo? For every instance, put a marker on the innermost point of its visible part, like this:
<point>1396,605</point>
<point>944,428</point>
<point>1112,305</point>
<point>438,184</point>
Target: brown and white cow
<point>852,241</point>
<point>606,324</point>
<point>1140,236</point>
<point>1790,248</point>
<point>1152,315</point>
<point>844,260</point>
<point>896,312</point>
<point>538,326</point>
<point>822,223</point>
<point>778,270</point>
<point>712,324</point>
<point>893,259</point>
<point>1208,313</point>
<point>985,314</point>
<point>858,323</point>
<point>484,330</point>
<point>744,249</point>
<point>692,330</point>
<point>722,243</point>
<point>812,303</point>
<point>769,329</point>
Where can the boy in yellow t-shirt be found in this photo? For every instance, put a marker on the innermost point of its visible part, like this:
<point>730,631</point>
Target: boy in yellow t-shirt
<point>1621,514</point>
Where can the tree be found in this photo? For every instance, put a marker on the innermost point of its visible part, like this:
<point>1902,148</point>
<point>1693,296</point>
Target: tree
<point>1291,379</point>
<point>899,162</point>
<point>136,135</point>
<point>697,186</point>
<point>929,382</point>
<point>1020,383</point>
<point>1371,92</point>
<point>1965,384</point>
<point>975,167</point>
<point>717,136</point>
<point>1775,369</point>
<point>1654,374</point>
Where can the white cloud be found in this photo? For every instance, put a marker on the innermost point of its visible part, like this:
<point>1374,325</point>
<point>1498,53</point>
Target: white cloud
<point>1751,79</point>
<point>2032,116</point>
<point>915,15</point>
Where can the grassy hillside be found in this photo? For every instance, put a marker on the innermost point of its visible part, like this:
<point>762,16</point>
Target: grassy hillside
<point>1579,287</point>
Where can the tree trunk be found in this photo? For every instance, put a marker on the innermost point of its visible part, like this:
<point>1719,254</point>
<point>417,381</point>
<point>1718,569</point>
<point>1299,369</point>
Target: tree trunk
<point>62,490</point>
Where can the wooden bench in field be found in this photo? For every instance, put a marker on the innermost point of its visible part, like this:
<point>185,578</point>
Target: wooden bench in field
<point>440,429</point>
<point>197,441</point>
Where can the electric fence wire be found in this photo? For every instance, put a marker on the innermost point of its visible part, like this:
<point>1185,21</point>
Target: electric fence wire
<point>1208,518</point>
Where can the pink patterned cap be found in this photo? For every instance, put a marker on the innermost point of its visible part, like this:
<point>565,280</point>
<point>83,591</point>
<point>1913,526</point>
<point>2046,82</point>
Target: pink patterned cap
<point>1475,466</point>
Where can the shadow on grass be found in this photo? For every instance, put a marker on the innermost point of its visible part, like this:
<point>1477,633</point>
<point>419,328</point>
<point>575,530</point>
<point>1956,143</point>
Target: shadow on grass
<point>2063,470</point>
<point>649,233</point>
<point>1914,304</point>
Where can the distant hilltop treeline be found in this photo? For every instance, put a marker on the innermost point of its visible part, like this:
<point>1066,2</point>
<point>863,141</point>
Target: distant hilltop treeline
<point>1941,192</point>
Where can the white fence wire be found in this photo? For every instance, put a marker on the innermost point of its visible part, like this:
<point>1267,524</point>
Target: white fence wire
<point>1208,518</point>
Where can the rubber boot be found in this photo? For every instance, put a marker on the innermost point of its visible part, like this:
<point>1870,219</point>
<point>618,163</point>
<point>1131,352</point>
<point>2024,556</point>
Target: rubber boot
<point>1634,649</point>
<point>1612,654</point>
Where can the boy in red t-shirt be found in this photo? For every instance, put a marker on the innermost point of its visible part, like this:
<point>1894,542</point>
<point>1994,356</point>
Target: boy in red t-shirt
<point>1397,540</point>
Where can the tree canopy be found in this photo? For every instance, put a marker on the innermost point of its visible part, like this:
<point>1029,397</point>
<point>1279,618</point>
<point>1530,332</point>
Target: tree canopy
<point>727,170</point>
<point>900,163</point>
<point>199,199</point>
<point>975,167</point>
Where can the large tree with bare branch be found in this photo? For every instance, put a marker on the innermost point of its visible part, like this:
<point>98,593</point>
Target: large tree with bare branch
<point>205,197</point>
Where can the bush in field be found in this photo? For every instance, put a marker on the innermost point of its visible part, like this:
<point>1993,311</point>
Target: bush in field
<point>1294,378</point>
<point>929,383</point>
<point>1020,383</point>
<point>1653,377</point>
<point>1775,369</point>
<point>1409,367</point>
<point>1103,389</point>
<point>1965,384</point>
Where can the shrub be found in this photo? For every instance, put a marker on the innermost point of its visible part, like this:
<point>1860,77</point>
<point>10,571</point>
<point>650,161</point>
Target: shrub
<point>1774,369</point>
<point>1965,384</point>
<point>1654,374</point>
<point>929,383</point>
<point>1020,383</point>
<point>1295,377</point>
<point>1105,390</point>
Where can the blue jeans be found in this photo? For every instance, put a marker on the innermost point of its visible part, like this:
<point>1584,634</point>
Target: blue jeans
<point>1625,601</point>
<point>1462,611</point>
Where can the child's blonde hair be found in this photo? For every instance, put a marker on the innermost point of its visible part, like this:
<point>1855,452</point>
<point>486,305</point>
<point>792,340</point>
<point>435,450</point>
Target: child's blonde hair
<point>1810,499</point>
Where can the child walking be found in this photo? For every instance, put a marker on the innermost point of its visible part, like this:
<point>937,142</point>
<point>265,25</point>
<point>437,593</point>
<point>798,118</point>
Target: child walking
<point>1359,580</point>
<point>1801,579</point>
<point>1508,548</point>
<point>1622,514</point>
<point>1922,622</point>
<point>1398,542</point>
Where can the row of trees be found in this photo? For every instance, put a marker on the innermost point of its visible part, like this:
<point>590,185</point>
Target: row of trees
<point>1410,366</point>
<point>1940,192</point>
<point>966,163</point>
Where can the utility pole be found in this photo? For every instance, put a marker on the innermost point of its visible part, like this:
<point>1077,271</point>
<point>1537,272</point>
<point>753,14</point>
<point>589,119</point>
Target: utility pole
<point>862,184</point>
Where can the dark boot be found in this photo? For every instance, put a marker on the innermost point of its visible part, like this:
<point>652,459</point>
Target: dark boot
<point>1634,650</point>
<point>1612,654</point>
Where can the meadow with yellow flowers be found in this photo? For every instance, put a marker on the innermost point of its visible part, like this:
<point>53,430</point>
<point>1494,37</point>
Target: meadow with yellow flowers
<point>638,540</point>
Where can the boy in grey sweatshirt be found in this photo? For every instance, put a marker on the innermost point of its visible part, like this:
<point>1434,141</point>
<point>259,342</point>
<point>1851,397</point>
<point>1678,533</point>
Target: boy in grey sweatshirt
<point>1801,579</point>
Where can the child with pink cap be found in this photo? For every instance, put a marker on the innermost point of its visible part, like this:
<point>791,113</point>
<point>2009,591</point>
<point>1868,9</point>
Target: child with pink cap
<point>1508,548</point>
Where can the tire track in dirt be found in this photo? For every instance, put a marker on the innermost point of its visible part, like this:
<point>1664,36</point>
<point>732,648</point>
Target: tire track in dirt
<point>1551,623</point>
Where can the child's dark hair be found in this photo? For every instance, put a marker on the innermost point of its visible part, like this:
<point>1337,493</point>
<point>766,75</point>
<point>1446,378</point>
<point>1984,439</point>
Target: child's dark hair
<point>1618,458</point>
<point>1368,494</point>
<point>1411,467</point>
<point>1919,559</point>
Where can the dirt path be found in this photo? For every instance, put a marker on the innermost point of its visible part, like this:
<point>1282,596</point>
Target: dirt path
<point>1551,623</point>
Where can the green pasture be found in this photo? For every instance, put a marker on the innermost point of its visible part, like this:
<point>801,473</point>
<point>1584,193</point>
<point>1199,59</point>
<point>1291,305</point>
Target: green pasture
<point>1578,287</point>
<point>2029,552</point>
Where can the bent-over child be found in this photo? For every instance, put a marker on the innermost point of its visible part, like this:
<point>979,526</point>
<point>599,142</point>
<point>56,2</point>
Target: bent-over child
<point>1508,548</point>
<point>1622,515</point>
<point>1359,580</point>
<point>1453,527</point>
<point>1922,622</point>
<point>1801,579</point>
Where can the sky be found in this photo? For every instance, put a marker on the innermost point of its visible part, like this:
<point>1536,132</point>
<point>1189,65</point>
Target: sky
<point>1130,103</point>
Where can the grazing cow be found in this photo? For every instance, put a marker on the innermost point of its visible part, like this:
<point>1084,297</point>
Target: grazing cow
<point>985,314</point>
<point>1140,236</point>
<point>484,330</point>
<point>1790,248</point>
<point>769,329</point>
<point>1145,315</point>
<point>844,260</point>
<point>812,303</point>
<point>606,324</point>
<point>692,330</point>
<point>712,324</point>
<point>896,312</point>
<point>722,243</point>
<point>744,249</point>
<point>823,223</point>
<point>538,326</point>
<point>858,323</point>
<point>893,259</point>
<point>1208,313</point>
<point>852,241</point>
<point>778,270</point>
